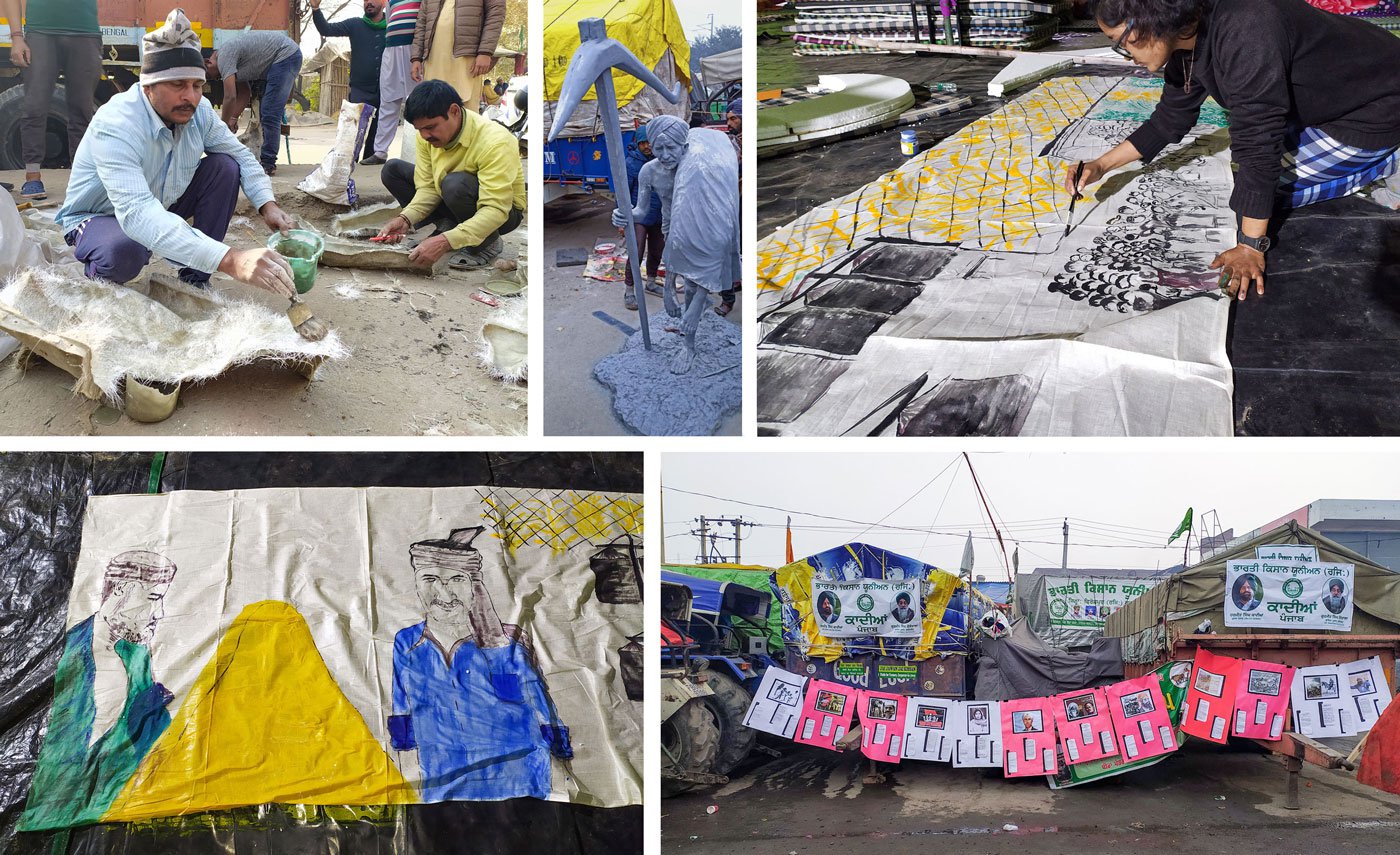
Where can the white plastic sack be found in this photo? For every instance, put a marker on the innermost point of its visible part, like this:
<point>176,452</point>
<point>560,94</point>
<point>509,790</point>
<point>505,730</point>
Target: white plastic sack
<point>331,181</point>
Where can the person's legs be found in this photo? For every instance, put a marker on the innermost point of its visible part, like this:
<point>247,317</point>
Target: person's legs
<point>388,119</point>
<point>82,69</point>
<point>276,91</point>
<point>460,191</point>
<point>106,252</point>
<point>656,245</point>
<point>39,80</point>
<point>370,132</point>
<point>1317,167</point>
<point>210,200</point>
<point>397,177</point>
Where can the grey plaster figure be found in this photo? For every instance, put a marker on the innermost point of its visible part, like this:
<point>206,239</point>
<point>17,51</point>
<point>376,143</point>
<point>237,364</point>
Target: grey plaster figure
<point>696,176</point>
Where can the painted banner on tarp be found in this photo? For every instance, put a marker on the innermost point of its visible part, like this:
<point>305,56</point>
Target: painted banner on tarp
<point>1028,737</point>
<point>1261,700</point>
<point>1210,701</point>
<point>854,609</point>
<point>778,703</point>
<point>1085,725</point>
<point>826,713</point>
<point>928,729</point>
<point>1085,602</point>
<point>345,646</point>
<point>1289,594</point>
<point>882,725</point>
<point>977,733</point>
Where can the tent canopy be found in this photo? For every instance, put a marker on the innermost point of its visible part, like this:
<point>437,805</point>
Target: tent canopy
<point>1199,590</point>
<point>749,575</point>
<point>649,28</point>
<point>720,68</point>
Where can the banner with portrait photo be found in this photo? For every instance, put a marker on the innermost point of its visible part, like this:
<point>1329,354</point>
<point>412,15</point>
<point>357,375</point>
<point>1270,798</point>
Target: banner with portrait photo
<point>1289,594</point>
<point>1261,700</point>
<point>1210,700</point>
<point>1322,703</point>
<point>1365,679</point>
<point>887,609</point>
<point>928,733</point>
<point>977,733</point>
<point>374,646</point>
<point>882,725</point>
<point>778,703</point>
<point>1085,725</point>
<point>1028,737</point>
<point>826,713</point>
<point>1141,718</point>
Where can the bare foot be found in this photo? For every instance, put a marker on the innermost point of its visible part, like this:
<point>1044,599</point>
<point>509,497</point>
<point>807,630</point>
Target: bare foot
<point>680,363</point>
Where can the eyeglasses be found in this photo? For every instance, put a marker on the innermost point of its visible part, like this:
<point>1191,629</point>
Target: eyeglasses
<point>1118,45</point>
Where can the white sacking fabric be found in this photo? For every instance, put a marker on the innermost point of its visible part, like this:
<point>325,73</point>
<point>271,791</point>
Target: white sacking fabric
<point>331,181</point>
<point>170,334</point>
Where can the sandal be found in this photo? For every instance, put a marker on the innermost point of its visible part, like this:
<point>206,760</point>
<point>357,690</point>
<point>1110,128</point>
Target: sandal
<point>653,287</point>
<point>723,309</point>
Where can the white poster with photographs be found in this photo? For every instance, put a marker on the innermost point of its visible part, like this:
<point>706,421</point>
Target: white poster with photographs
<point>873,607</point>
<point>928,729</point>
<point>1289,594</point>
<point>778,703</point>
<point>977,729</point>
<point>1322,704</point>
<point>1370,694</point>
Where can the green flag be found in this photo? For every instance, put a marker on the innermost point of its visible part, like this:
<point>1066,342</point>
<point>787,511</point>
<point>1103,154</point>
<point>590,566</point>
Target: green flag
<point>1183,528</point>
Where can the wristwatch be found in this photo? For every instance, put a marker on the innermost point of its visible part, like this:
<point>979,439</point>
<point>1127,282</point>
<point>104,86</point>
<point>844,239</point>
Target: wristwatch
<point>1260,243</point>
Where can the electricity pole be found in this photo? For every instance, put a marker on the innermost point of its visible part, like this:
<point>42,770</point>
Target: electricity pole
<point>708,532</point>
<point>1064,553</point>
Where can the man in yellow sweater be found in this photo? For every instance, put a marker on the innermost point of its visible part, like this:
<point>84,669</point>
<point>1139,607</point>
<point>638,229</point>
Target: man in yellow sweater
<point>468,181</point>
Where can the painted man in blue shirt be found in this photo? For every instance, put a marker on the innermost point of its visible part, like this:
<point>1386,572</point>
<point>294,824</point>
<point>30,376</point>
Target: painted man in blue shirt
<point>466,694</point>
<point>107,708</point>
<point>155,156</point>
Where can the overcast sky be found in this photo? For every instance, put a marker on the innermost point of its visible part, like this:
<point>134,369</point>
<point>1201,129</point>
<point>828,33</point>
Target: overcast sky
<point>1120,505</point>
<point>695,15</point>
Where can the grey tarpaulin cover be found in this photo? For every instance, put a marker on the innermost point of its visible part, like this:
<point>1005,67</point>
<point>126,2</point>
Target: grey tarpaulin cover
<point>1022,666</point>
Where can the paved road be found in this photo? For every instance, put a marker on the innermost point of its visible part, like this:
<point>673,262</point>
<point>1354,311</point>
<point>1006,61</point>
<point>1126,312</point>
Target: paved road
<point>815,801</point>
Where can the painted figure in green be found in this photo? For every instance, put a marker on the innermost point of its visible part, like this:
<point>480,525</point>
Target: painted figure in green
<point>107,710</point>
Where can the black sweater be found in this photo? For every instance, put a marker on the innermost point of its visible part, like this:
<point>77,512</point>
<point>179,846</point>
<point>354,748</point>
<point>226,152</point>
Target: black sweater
<point>366,53</point>
<point>1273,63</point>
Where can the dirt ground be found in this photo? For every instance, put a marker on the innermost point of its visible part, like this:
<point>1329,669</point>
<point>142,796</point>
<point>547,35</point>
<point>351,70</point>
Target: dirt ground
<point>413,368</point>
<point>584,321</point>
<point>1202,800</point>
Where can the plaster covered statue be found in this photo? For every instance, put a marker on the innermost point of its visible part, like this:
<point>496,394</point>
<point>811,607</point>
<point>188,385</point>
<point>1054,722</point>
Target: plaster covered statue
<point>696,176</point>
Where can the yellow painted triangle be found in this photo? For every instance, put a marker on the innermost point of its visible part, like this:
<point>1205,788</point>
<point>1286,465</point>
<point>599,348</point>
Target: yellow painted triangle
<point>265,722</point>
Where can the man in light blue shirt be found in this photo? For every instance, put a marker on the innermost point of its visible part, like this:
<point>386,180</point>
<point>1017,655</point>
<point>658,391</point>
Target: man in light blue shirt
<point>157,155</point>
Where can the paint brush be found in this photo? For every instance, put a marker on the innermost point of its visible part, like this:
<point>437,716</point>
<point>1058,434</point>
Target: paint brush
<point>307,325</point>
<point>1078,174</point>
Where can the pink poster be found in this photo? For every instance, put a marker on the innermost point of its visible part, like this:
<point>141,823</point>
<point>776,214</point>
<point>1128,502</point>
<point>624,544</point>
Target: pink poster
<point>1085,725</point>
<point>1141,718</point>
<point>882,725</point>
<point>1261,701</point>
<point>1028,737</point>
<point>826,713</point>
<point>1210,699</point>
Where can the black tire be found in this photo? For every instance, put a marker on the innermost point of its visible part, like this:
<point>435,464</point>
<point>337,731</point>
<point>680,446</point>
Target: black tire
<point>730,703</point>
<point>692,738</point>
<point>56,136</point>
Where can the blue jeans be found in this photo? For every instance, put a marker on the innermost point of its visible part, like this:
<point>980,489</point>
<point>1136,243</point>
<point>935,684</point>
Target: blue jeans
<point>280,77</point>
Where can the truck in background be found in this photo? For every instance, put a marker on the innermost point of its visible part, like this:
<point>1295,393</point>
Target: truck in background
<point>123,23</point>
<point>577,162</point>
